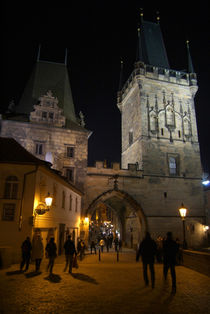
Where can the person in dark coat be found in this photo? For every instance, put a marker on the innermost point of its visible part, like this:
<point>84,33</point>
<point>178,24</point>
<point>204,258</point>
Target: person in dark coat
<point>69,253</point>
<point>93,246</point>
<point>170,249</point>
<point>51,250</point>
<point>148,250</point>
<point>26,248</point>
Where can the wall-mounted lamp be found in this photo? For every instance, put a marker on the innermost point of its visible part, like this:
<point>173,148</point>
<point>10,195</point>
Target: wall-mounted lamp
<point>205,228</point>
<point>42,208</point>
<point>86,220</point>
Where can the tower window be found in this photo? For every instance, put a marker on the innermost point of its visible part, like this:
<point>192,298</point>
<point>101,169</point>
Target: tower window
<point>39,149</point>
<point>70,174</point>
<point>130,137</point>
<point>173,164</point>
<point>179,134</point>
<point>162,133</point>
<point>70,152</point>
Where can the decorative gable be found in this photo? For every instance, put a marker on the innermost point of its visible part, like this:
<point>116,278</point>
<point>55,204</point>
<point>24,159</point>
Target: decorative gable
<point>48,112</point>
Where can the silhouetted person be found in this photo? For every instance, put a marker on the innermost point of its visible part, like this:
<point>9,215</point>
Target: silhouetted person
<point>37,251</point>
<point>170,249</point>
<point>26,248</point>
<point>93,246</point>
<point>116,243</point>
<point>69,253</point>
<point>148,250</point>
<point>51,250</point>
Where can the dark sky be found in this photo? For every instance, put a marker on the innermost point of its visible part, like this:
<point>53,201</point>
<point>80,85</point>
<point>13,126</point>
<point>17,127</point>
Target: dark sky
<point>97,34</point>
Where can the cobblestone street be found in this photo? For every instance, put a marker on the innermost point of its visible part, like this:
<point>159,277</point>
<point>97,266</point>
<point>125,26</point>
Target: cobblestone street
<point>105,286</point>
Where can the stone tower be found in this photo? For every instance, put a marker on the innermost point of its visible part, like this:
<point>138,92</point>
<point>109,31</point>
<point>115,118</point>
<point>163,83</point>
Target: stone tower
<point>159,131</point>
<point>44,122</point>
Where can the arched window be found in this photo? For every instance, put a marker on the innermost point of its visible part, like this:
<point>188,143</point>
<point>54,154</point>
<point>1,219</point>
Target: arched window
<point>11,187</point>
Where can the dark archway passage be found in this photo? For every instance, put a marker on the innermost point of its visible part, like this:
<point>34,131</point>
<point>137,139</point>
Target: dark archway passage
<point>116,212</point>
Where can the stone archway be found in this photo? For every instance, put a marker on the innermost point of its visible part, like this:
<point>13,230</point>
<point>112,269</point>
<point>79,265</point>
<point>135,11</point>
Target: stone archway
<point>129,214</point>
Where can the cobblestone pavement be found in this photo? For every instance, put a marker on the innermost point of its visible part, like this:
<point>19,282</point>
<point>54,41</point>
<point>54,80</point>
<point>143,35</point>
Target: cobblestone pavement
<point>105,286</point>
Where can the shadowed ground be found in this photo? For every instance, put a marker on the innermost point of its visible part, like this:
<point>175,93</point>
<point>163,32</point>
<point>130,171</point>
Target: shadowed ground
<point>105,286</point>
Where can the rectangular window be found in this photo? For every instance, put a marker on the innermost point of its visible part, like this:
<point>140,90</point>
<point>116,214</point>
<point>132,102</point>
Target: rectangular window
<point>70,174</point>
<point>162,132</point>
<point>51,115</point>
<point>130,138</point>
<point>76,205</point>
<point>70,202</point>
<point>44,114</point>
<point>39,149</point>
<point>63,199</point>
<point>179,134</point>
<point>70,151</point>
<point>8,213</point>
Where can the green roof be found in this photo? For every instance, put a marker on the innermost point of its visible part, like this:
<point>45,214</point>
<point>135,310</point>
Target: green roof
<point>48,76</point>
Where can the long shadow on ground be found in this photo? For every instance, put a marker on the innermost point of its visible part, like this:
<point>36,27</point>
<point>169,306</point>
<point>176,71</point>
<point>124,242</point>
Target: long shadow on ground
<point>84,277</point>
<point>53,278</point>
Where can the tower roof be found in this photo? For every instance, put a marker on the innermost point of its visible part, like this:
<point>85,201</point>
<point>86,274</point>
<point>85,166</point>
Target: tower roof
<point>151,45</point>
<point>48,76</point>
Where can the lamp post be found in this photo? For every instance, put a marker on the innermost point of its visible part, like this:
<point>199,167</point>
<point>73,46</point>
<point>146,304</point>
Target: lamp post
<point>183,212</point>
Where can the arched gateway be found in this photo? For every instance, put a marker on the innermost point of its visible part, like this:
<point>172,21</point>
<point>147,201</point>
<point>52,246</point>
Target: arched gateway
<point>115,211</point>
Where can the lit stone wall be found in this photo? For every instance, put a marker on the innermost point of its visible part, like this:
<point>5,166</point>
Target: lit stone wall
<point>55,141</point>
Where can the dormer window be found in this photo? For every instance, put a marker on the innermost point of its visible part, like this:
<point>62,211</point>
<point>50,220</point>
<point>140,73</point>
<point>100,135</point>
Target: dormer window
<point>44,114</point>
<point>51,115</point>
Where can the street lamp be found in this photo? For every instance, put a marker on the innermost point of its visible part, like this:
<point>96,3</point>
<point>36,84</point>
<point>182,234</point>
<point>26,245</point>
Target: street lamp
<point>42,208</point>
<point>183,213</point>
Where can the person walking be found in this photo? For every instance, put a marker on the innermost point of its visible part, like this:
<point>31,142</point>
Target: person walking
<point>148,250</point>
<point>92,246</point>
<point>37,251</point>
<point>69,253</point>
<point>26,248</point>
<point>51,252</point>
<point>170,249</point>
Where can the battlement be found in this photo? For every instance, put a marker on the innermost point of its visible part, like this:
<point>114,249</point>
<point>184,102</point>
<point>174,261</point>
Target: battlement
<point>157,73</point>
<point>115,169</point>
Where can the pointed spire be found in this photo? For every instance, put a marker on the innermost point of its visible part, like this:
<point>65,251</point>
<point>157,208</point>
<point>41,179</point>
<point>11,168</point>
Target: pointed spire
<point>121,75</point>
<point>139,48</point>
<point>141,14</point>
<point>190,65</point>
<point>66,56</point>
<point>38,54</point>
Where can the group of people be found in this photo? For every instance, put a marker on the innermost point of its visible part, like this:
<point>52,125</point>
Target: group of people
<point>35,251</point>
<point>148,251</point>
<point>105,242</point>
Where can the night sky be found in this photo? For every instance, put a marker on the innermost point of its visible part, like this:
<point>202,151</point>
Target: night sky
<point>98,34</point>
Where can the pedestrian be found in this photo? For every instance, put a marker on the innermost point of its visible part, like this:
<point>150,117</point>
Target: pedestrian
<point>93,246</point>
<point>26,253</point>
<point>37,251</point>
<point>116,243</point>
<point>120,245</point>
<point>69,253</point>
<point>170,249</point>
<point>148,250</point>
<point>107,244</point>
<point>102,243</point>
<point>51,252</point>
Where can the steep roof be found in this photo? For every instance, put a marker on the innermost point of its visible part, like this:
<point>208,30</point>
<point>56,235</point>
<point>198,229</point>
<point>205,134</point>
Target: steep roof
<point>151,45</point>
<point>48,76</point>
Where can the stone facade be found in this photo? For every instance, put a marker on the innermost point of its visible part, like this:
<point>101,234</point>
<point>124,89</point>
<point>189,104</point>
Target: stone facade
<point>146,202</point>
<point>158,121</point>
<point>46,137</point>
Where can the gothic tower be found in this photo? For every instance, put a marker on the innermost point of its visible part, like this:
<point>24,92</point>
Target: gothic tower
<point>159,131</point>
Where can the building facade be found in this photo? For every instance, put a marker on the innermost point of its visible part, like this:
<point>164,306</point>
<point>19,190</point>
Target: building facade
<point>25,181</point>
